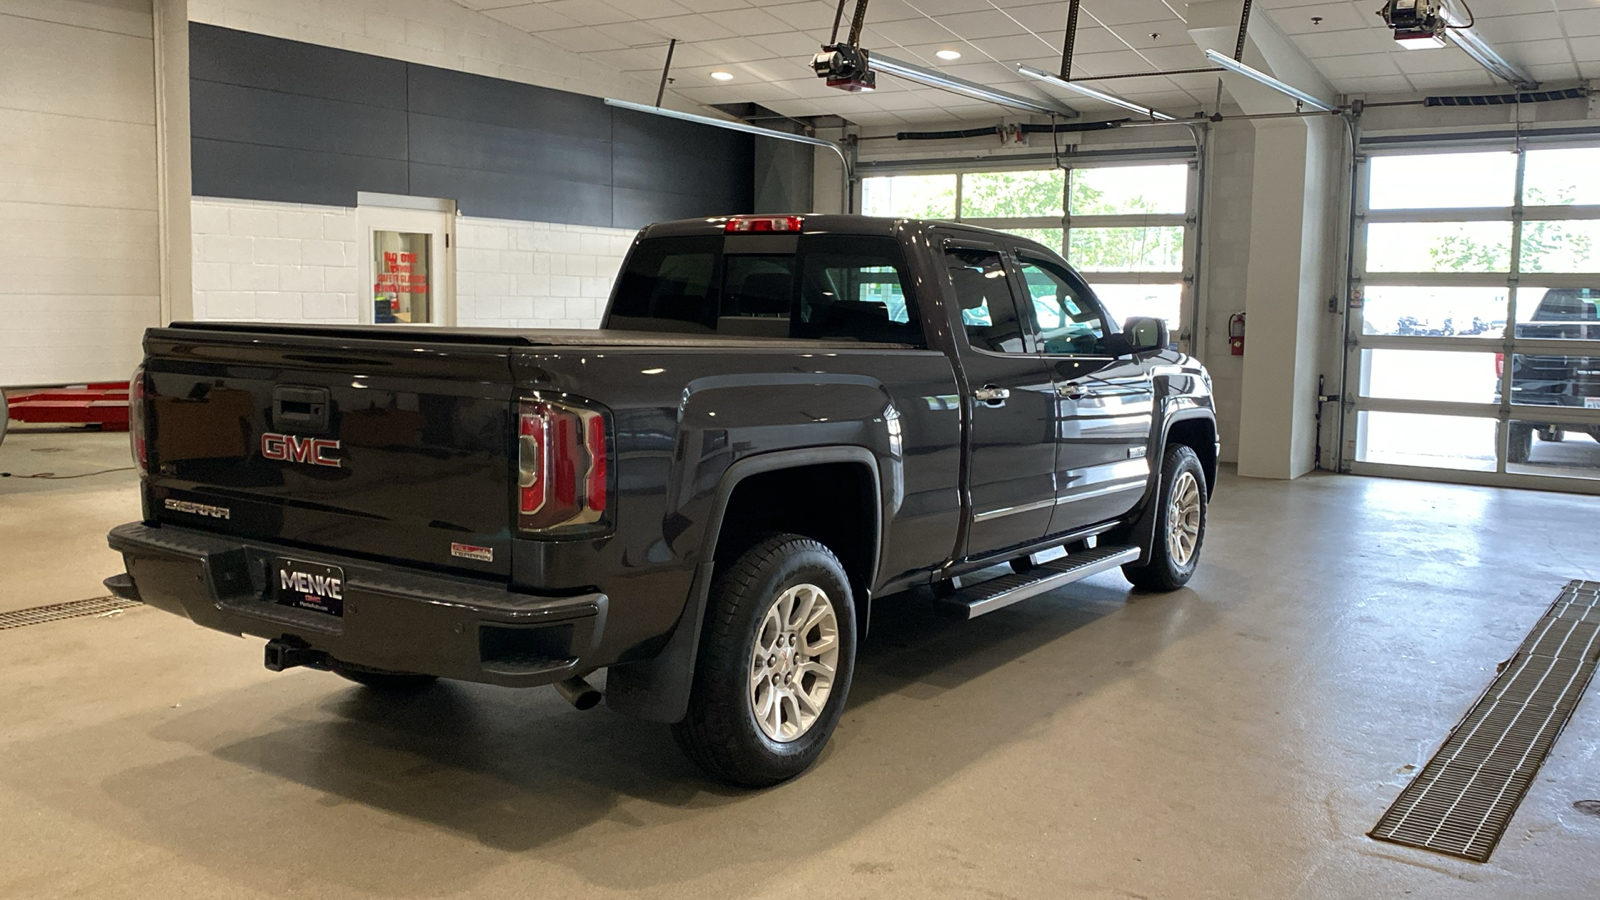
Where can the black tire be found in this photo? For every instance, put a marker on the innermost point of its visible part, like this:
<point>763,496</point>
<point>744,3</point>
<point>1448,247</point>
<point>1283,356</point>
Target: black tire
<point>721,733</point>
<point>1520,446</point>
<point>1163,572</point>
<point>384,680</point>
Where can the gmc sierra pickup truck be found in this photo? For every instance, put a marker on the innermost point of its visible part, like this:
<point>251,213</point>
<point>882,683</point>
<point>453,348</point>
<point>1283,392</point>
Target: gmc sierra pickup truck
<point>781,418</point>
<point>1553,380</point>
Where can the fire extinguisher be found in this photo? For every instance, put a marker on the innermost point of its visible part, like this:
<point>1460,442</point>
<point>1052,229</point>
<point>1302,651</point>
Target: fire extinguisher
<point>1236,334</point>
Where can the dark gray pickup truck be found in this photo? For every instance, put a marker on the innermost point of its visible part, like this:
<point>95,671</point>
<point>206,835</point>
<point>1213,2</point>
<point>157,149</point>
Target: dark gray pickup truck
<point>782,418</point>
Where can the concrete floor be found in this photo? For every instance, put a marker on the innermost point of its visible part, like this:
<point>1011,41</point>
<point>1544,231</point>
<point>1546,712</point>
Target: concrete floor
<point>1235,739</point>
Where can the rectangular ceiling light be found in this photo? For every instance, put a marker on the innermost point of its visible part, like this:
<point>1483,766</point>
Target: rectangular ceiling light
<point>730,125</point>
<point>935,79</point>
<point>1100,95</point>
<point>1233,65</point>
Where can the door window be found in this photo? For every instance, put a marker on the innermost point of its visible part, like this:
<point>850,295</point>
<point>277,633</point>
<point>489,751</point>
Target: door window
<point>401,291</point>
<point>1070,323</point>
<point>988,309</point>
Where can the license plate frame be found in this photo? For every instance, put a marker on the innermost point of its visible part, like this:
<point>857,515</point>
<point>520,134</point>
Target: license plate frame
<point>308,585</point>
<point>1591,403</point>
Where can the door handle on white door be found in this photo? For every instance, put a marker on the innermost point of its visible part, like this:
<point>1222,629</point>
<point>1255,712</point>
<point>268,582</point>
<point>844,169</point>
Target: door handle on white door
<point>991,394</point>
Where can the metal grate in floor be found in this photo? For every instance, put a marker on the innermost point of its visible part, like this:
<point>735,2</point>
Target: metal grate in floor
<point>55,612</point>
<point>1463,799</point>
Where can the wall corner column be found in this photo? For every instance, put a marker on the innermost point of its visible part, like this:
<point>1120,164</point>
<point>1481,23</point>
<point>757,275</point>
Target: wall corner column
<point>172,159</point>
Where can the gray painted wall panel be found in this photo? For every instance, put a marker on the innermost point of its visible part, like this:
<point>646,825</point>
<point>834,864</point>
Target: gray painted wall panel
<point>514,151</point>
<point>228,112</point>
<point>254,172</point>
<point>256,60</point>
<point>280,120</point>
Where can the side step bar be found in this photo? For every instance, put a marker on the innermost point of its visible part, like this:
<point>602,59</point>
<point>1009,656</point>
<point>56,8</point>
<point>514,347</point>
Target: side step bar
<point>998,593</point>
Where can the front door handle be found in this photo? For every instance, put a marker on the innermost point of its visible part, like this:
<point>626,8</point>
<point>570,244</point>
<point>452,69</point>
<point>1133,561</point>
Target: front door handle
<point>1073,391</point>
<point>991,394</point>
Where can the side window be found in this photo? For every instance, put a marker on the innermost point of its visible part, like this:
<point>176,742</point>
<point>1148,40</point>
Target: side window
<point>988,309</point>
<point>1069,323</point>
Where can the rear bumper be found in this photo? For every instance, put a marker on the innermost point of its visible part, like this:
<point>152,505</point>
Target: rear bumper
<point>394,619</point>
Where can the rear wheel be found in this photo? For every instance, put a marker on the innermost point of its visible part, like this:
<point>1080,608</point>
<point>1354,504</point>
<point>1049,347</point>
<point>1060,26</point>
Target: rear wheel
<point>775,663</point>
<point>384,680</point>
<point>1180,526</point>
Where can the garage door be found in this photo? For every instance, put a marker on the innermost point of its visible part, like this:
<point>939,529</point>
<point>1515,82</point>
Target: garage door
<point>1474,336</point>
<point>1125,227</point>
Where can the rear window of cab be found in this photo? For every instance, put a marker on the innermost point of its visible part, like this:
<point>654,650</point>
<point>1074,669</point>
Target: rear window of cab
<point>810,286</point>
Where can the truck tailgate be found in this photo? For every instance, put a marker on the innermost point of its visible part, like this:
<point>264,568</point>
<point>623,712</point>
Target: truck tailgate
<point>394,445</point>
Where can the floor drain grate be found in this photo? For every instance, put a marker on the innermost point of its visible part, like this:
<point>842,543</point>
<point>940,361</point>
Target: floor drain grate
<point>55,612</point>
<point>1463,799</point>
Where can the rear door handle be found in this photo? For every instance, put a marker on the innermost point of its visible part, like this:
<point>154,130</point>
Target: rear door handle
<point>991,394</point>
<point>1074,391</point>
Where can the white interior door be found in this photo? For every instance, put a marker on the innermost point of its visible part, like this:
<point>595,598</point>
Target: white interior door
<point>408,267</point>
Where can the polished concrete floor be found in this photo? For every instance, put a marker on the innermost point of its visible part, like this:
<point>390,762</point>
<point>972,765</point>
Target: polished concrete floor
<point>1235,739</point>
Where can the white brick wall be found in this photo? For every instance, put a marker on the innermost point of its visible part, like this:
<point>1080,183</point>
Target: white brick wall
<point>535,274</point>
<point>274,262</point>
<point>291,262</point>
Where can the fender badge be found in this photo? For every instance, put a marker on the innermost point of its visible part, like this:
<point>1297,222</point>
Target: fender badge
<point>467,551</point>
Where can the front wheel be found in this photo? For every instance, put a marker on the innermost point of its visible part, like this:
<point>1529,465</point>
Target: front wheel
<point>1180,524</point>
<point>776,658</point>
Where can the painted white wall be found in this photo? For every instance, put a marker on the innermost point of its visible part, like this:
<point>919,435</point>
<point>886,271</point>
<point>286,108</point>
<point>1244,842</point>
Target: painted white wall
<point>294,262</point>
<point>79,280</point>
<point>1230,174</point>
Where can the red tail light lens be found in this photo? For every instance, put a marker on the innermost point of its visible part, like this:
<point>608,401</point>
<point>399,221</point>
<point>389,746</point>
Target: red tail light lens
<point>563,486</point>
<point>763,224</point>
<point>136,437</point>
<point>1499,364</point>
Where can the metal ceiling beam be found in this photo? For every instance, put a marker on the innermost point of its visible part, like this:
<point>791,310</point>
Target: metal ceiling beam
<point>936,79</point>
<point>732,126</point>
<point>1102,96</point>
<point>1484,54</point>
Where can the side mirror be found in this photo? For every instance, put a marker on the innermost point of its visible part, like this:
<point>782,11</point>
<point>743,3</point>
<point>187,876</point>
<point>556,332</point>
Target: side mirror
<point>1146,334</point>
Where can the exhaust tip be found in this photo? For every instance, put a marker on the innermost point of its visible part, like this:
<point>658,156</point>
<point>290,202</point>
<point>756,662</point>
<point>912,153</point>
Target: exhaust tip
<point>580,693</point>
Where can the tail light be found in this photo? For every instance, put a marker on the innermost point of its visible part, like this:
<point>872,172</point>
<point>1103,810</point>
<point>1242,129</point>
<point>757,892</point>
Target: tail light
<point>563,470</point>
<point>1499,364</point>
<point>137,439</point>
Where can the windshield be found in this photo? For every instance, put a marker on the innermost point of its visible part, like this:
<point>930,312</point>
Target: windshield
<point>817,287</point>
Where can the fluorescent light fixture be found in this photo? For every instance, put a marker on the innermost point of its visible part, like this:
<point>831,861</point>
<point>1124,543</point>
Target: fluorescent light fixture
<point>965,88</point>
<point>731,126</point>
<point>948,55</point>
<point>1233,65</point>
<point>722,76</point>
<point>1100,95</point>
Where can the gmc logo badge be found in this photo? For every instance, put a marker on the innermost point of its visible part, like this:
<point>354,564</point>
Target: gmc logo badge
<point>296,449</point>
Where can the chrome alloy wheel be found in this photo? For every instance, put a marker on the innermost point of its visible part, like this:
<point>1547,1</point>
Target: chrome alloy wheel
<point>793,662</point>
<point>1183,519</point>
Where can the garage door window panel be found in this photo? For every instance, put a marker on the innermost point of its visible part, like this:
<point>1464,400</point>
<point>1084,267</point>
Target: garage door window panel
<point>1124,227</point>
<point>1442,269</point>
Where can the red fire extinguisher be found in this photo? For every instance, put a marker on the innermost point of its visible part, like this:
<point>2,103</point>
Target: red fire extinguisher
<point>1236,334</point>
